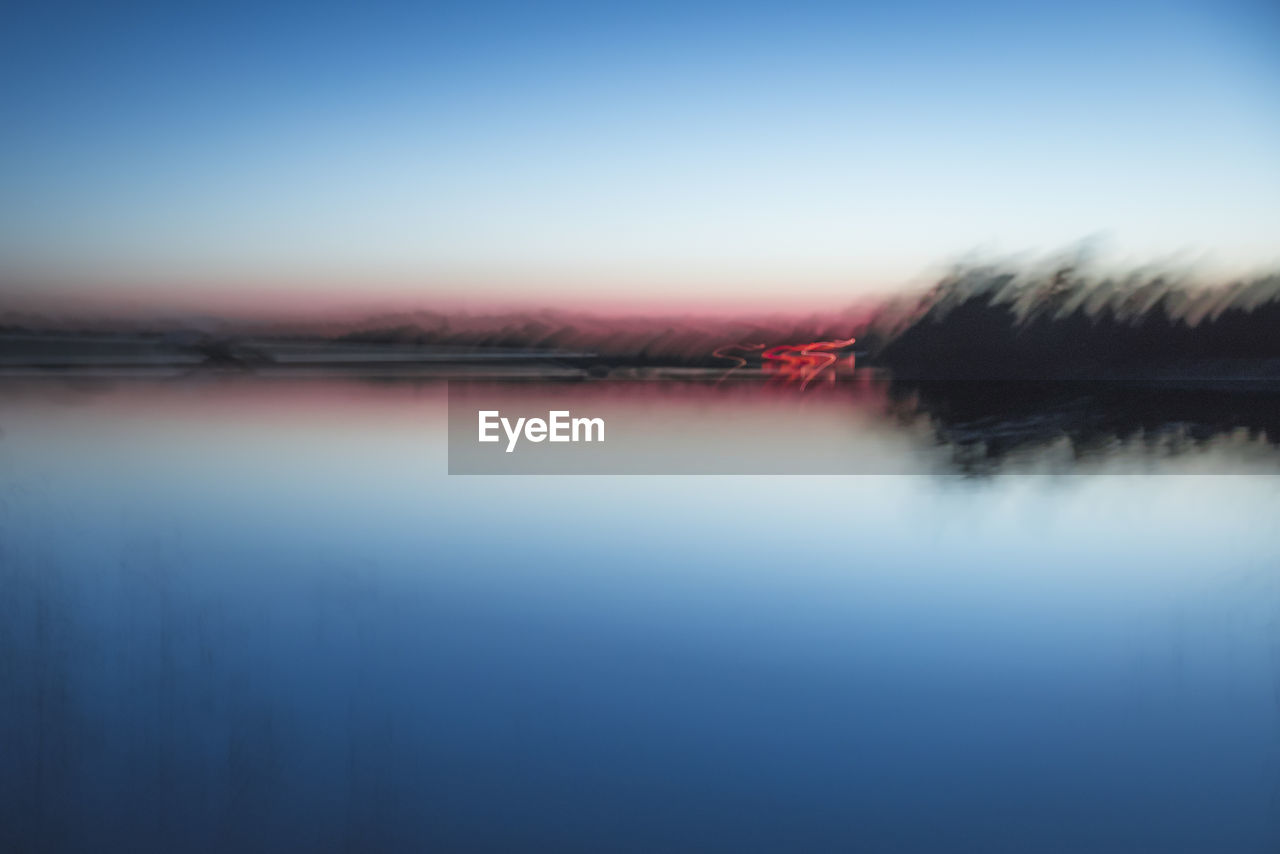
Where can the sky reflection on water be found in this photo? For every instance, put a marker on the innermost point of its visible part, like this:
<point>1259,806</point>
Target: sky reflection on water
<point>253,615</point>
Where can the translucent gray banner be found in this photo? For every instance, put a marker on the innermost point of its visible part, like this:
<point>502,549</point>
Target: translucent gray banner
<point>868,425</point>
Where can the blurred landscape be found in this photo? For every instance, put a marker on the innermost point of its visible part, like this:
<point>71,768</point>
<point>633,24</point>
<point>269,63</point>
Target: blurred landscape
<point>979,322</point>
<point>944,339</point>
<point>996,361</point>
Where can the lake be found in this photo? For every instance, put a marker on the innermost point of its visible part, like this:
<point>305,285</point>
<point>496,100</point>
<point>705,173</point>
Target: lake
<point>259,614</point>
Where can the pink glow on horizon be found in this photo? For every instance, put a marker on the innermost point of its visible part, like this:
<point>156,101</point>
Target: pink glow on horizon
<point>335,302</point>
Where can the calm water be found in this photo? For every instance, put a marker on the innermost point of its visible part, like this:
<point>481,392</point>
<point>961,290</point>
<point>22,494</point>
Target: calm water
<point>240,615</point>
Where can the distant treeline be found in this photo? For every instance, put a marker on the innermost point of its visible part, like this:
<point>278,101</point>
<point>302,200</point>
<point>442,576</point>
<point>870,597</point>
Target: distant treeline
<point>989,323</point>
<point>610,341</point>
<point>980,322</point>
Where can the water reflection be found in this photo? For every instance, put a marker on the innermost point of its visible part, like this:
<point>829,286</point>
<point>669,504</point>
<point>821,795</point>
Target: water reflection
<point>988,424</point>
<point>255,616</point>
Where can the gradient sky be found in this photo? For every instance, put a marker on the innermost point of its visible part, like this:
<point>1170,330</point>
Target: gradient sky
<point>599,153</point>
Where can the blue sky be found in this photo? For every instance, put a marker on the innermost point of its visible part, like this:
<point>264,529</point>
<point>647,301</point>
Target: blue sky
<point>588,153</point>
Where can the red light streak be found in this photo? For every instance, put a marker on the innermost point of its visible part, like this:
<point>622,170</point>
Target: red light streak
<point>803,363</point>
<point>742,363</point>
